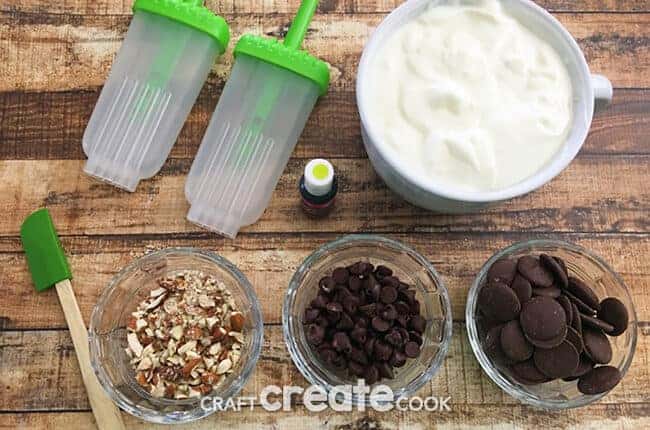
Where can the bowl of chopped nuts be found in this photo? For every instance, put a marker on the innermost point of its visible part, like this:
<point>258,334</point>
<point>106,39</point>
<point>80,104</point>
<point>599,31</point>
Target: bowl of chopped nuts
<point>172,328</point>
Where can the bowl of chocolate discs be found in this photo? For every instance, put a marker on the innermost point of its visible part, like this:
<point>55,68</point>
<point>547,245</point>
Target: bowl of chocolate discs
<point>551,324</point>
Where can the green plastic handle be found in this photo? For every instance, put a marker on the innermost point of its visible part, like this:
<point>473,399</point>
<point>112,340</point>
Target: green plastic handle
<point>300,24</point>
<point>45,256</point>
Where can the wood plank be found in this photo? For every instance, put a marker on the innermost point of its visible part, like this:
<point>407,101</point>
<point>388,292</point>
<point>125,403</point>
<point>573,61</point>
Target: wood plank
<point>65,52</point>
<point>600,416</point>
<point>50,125</point>
<point>108,7</point>
<point>40,371</point>
<point>80,205</point>
<point>269,261</point>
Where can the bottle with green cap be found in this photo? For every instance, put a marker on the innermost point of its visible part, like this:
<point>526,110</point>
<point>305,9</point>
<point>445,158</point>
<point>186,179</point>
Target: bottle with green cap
<point>261,113</point>
<point>154,81</point>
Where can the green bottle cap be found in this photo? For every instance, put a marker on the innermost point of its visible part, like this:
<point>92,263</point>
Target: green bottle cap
<point>288,55</point>
<point>191,13</point>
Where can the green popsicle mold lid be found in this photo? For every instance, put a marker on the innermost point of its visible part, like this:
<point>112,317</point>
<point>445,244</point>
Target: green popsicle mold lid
<point>288,55</point>
<point>191,13</point>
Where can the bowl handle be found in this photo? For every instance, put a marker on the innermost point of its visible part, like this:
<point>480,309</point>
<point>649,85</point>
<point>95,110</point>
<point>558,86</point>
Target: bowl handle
<point>603,91</point>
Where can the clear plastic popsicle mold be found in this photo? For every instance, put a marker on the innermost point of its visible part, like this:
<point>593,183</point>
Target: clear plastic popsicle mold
<point>156,77</point>
<point>238,165</point>
<point>262,111</point>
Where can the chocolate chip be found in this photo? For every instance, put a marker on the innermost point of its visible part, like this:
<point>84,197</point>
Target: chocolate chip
<point>326,284</point>
<point>388,294</point>
<point>599,380</point>
<point>411,349</point>
<point>389,313</point>
<point>345,322</point>
<point>391,281</point>
<point>382,351</point>
<point>402,308</point>
<point>596,323</point>
<point>416,337</point>
<point>379,324</point>
<point>513,343</point>
<point>383,271</point>
<point>358,356</point>
<point>558,362</point>
<point>499,302</point>
<point>597,346</point>
<point>531,268</point>
<point>311,314</point>
<point>359,335</point>
<point>341,275</point>
<point>552,292</point>
<point>522,288</point>
<point>402,320</point>
<point>351,304</point>
<point>554,267</point>
<point>356,269</point>
<point>502,271</point>
<point>315,334</point>
<point>394,338</point>
<point>568,308</point>
<point>328,355</point>
<point>526,373</point>
<point>369,310</point>
<point>543,321</point>
<point>320,301</point>
<point>583,292</point>
<point>341,342</point>
<point>414,307</point>
<point>614,312</point>
<point>355,284</point>
<point>369,346</point>
<point>418,323</point>
<point>397,359</point>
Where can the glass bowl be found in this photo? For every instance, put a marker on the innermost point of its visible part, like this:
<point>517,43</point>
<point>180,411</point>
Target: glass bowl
<point>411,268</point>
<point>584,265</point>
<point>107,332</point>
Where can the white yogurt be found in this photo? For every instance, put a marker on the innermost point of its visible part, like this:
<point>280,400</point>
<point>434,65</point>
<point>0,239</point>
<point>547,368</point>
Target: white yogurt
<point>468,97</point>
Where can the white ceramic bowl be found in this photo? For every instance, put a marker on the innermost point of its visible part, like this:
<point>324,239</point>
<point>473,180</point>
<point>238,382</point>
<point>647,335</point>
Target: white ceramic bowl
<point>426,193</point>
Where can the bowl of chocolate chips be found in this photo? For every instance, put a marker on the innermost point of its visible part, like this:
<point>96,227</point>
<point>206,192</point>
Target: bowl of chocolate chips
<point>367,308</point>
<point>551,324</point>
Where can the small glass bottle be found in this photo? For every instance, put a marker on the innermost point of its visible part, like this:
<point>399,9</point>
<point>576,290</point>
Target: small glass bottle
<point>318,188</point>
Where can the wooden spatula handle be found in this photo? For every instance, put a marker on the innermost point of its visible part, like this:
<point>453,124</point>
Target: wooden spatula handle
<point>107,415</point>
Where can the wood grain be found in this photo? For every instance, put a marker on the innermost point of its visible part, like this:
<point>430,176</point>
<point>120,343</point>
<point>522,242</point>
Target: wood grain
<point>462,417</point>
<point>109,7</point>
<point>50,125</point>
<point>54,58</point>
<point>42,370</point>
<point>269,261</point>
<point>81,205</point>
<point>68,52</point>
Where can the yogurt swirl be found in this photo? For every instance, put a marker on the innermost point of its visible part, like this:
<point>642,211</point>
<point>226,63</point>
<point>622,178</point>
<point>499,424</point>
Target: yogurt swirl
<point>468,97</point>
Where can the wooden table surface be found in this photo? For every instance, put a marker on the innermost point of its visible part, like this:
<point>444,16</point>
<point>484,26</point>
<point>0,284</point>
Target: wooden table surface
<point>54,58</point>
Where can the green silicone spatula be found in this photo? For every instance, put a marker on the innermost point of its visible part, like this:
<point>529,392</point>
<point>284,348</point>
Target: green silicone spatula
<point>49,268</point>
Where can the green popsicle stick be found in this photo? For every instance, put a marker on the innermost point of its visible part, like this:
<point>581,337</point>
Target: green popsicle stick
<point>45,256</point>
